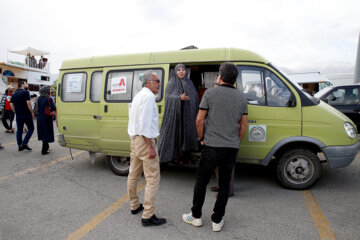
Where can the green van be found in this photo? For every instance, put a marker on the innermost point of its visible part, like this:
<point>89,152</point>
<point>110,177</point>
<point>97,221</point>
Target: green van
<point>285,125</point>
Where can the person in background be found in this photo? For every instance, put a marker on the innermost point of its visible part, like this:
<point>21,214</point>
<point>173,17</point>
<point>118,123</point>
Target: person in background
<point>33,100</point>
<point>52,94</point>
<point>221,124</point>
<point>42,62</point>
<point>44,126</point>
<point>21,106</point>
<point>27,59</point>
<point>178,130</point>
<point>7,113</point>
<point>231,189</point>
<point>143,129</point>
<point>33,62</point>
<point>1,147</point>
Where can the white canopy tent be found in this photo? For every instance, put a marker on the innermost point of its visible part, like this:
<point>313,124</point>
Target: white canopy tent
<point>29,50</point>
<point>310,77</point>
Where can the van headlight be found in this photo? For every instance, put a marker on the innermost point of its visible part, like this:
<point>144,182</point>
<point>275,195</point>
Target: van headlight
<point>350,130</point>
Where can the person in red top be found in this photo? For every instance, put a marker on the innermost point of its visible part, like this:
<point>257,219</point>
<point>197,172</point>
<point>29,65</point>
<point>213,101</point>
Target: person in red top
<point>7,112</point>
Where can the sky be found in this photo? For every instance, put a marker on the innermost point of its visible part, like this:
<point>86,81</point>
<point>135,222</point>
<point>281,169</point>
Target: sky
<point>287,32</point>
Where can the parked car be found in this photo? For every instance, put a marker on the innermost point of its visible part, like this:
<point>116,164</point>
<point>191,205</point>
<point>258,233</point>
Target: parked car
<point>345,98</point>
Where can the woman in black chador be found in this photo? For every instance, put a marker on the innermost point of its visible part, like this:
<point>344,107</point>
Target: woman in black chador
<point>45,128</point>
<point>178,130</point>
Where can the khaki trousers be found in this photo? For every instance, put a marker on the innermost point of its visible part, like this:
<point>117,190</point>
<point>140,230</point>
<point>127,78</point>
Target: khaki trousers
<point>139,162</point>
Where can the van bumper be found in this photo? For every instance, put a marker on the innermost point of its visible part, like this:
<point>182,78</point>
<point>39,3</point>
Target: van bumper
<point>341,156</point>
<point>61,139</point>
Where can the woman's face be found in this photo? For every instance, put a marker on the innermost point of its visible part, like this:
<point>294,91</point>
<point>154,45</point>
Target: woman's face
<point>181,73</point>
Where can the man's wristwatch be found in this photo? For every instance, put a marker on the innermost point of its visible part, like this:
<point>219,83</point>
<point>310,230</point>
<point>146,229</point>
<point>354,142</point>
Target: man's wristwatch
<point>202,139</point>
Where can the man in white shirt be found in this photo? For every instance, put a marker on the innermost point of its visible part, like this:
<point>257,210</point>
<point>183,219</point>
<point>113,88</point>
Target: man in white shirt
<point>143,129</point>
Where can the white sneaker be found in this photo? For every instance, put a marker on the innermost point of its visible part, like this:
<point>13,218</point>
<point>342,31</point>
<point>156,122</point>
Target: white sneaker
<point>217,226</point>
<point>191,220</point>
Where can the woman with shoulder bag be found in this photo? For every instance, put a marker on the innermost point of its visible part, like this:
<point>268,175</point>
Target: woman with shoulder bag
<point>46,110</point>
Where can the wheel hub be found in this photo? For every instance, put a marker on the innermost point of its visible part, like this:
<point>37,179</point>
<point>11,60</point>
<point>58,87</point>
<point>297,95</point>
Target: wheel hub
<point>299,169</point>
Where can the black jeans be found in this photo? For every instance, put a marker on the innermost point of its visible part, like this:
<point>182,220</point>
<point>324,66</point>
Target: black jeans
<point>211,157</point>
<point>7,114</point>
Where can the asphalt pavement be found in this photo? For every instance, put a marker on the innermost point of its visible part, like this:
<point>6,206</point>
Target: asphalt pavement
<point>55,197</point>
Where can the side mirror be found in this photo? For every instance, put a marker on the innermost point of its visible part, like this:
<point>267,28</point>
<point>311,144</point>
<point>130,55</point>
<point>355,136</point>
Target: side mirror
<point>324,100</point>
<point>292,101</point>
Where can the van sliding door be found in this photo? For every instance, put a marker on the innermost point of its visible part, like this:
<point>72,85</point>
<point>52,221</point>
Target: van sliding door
<point>121,86</point>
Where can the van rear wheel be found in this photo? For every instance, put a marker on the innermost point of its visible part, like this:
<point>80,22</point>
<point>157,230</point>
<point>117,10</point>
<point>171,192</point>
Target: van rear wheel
<point>118,165</point>
<point>298,169</point>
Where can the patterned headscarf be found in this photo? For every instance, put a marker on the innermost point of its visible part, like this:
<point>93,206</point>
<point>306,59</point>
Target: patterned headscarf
<point>45,91</point>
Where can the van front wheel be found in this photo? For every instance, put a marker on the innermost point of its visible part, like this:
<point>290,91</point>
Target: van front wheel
<point>118,165</point>
<point>298,169</point>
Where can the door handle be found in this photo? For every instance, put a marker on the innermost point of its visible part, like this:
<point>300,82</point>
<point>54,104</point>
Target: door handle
<point>159,108</point>
<point>97,117</point>
<point>106,108</point>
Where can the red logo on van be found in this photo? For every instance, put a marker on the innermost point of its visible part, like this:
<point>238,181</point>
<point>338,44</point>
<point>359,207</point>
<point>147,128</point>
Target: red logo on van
<point>122,82</point>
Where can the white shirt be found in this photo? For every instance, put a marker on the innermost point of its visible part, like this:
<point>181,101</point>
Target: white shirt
<point>143,115</point>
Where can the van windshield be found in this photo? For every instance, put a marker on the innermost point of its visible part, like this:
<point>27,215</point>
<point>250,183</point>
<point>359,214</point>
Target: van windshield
<point>305,97</point>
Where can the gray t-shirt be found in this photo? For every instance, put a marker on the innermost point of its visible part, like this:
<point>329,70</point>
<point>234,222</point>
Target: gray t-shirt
<point>225,106</point>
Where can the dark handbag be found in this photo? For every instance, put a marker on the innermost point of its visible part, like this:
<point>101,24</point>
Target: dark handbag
<point>49,113</point>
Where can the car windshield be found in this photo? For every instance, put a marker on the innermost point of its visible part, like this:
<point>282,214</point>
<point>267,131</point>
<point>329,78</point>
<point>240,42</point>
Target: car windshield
<point>322,92</point>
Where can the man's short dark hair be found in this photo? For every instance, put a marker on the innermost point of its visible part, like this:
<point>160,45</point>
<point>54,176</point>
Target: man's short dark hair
<point>228,72</point>
<point>20,83</point>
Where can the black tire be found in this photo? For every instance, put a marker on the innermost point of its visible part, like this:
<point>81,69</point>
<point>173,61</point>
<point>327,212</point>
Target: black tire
<point>298,169</point>
<point>118,165</point>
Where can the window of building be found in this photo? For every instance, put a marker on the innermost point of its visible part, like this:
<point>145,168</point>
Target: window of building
<point>34,87</point>
<point>45,78</point>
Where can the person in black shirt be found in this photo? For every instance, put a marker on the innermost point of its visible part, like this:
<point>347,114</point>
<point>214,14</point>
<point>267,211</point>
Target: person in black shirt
<point>21,105</point>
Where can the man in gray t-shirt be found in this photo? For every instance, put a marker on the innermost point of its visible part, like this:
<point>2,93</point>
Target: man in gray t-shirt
<point>221,124</point>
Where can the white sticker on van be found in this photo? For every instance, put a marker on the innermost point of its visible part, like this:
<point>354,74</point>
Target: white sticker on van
<point>257,133</point>
<point>74,83</point>
<point>118,85</point>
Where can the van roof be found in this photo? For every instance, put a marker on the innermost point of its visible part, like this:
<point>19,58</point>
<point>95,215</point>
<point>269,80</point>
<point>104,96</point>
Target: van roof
<point>183,56</point>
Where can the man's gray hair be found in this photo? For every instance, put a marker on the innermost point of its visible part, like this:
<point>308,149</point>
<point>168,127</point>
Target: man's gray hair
<point>146,76</point>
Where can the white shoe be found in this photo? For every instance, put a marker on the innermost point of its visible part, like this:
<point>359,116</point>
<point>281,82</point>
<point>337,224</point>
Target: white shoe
<point>188,218</point>
<point>217,226</point>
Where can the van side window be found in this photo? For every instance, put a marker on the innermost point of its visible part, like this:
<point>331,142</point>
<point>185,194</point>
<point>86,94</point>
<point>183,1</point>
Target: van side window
<point>250,81</point>
<point>73,87</point>
<point>261,87</point>
<point>123,85</point>
<point>95,86</point>
<point>118,87</point>
<point>138,78</point>
<point>278,95</point>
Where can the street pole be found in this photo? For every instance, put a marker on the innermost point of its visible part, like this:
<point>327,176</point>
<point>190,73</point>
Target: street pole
<point>357,65</point>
